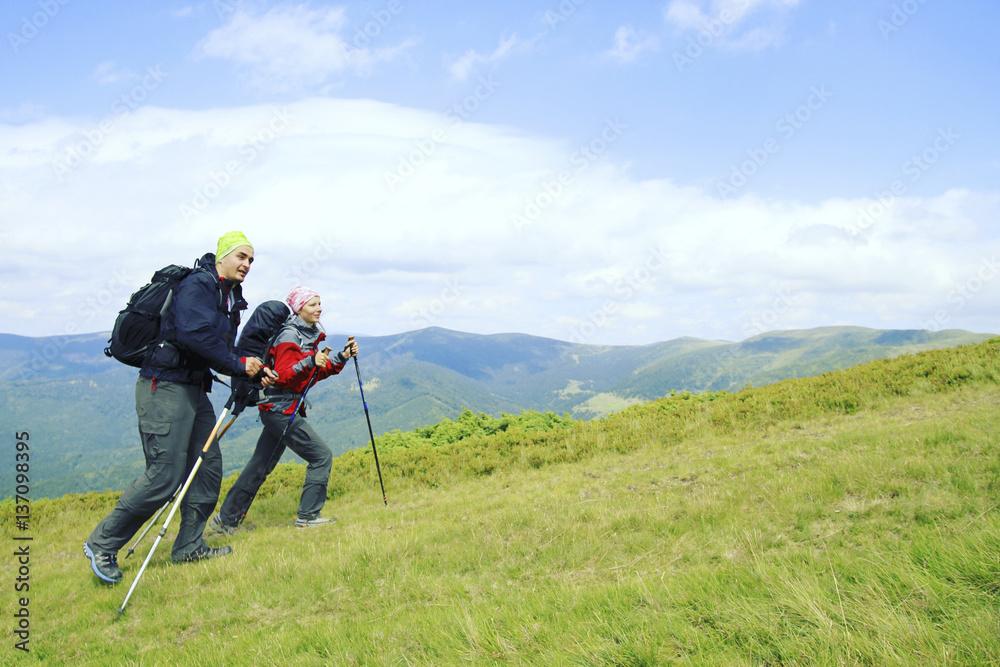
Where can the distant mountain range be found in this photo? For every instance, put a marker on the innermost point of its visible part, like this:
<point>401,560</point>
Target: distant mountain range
<point>77,405</point>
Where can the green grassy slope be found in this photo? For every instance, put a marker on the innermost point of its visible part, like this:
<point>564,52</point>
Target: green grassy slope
<point>847,518</point>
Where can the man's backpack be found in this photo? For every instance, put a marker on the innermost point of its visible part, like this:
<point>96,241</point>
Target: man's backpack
<point>261,329</point>
<point>258,337</point>
<point>137,327</point>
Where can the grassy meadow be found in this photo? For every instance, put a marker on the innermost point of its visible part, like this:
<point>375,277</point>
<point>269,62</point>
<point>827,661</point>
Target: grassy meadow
<point>845,519</point>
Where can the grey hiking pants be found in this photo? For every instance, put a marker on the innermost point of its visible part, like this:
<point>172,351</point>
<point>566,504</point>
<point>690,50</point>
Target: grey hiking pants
<point>302,439</point>
<point>175,421</point>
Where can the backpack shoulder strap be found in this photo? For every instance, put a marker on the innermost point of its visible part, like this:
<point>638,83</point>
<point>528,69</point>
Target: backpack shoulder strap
<point>273,340</point>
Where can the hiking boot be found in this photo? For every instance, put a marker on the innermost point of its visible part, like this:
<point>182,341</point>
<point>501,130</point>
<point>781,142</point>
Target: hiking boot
<point>204,553</point>
<point>104,564</point>
<point>216,525</point>
<point>312,523</point>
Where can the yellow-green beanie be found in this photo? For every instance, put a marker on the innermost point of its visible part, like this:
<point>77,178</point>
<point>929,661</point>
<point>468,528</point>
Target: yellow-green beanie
<point>230,242</point>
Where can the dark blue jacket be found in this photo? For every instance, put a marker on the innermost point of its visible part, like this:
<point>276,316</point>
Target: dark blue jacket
<point>199,330</point>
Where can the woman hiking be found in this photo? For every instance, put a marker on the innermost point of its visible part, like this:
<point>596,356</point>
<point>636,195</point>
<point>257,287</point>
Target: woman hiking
<point>299,361</point>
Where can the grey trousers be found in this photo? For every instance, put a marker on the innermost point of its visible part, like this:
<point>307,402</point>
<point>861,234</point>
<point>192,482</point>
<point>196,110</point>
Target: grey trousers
<point>302,439</point>
<point>175,421</point>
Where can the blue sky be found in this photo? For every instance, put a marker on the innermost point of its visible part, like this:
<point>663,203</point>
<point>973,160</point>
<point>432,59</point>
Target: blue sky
<point>608,173</point>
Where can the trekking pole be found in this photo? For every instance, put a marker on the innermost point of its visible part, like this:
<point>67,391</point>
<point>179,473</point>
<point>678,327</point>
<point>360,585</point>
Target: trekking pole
<point>368,419</point>
<point>226,427</point>
<point>177,502</point>
<point>152,522</point>
<point>284,431</point>
<point>156,516</point>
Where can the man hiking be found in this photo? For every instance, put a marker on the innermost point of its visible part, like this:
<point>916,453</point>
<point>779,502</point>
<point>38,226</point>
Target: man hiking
<point>174,413</point>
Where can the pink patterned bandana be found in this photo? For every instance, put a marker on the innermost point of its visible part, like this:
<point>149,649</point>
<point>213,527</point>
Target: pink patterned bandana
<point>298,297</point>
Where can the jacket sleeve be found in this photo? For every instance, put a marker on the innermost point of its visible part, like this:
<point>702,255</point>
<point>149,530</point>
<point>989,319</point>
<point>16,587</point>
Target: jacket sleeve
<point>294,367</point>
<point>197,318</point>
<point>333,367</point>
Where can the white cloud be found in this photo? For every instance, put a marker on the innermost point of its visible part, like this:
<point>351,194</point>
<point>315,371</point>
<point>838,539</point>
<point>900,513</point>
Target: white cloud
<point>109,72</point>
<point>628,45</point>
<point>738,25</point>
<point>685,14</point>
<point>465,64</point>
<point>602,258</point>
<point>294,47</point>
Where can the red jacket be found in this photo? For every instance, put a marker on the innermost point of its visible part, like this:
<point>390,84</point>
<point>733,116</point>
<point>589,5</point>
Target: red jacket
<point>294,361</point>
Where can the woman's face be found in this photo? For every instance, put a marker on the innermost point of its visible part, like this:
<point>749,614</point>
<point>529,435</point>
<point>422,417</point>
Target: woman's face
<point>311,311</point>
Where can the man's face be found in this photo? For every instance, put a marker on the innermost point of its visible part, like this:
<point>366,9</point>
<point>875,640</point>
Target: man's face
<point>236,265</point>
